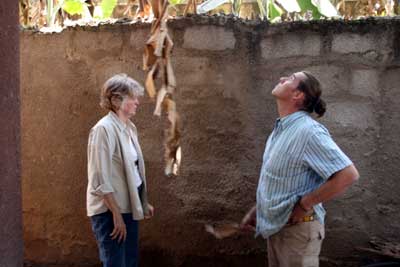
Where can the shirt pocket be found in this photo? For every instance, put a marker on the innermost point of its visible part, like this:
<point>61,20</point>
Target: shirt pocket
<point>284,165</point>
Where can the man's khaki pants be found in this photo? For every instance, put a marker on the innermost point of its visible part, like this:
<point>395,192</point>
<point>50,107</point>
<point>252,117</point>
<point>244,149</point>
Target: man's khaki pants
<point>296,245</point>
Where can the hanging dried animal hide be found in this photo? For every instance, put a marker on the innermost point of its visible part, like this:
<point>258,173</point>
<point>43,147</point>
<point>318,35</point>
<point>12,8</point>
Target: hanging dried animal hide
<point>156,59</point>
<point>223,230</point>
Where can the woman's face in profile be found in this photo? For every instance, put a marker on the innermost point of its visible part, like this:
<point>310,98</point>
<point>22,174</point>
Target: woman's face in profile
<point>129,105</point>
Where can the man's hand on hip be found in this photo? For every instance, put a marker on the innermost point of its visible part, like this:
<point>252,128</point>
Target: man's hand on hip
<point>298,213</point>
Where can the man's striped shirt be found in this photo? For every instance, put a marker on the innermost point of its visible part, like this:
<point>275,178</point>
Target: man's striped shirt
<point>299,156</point>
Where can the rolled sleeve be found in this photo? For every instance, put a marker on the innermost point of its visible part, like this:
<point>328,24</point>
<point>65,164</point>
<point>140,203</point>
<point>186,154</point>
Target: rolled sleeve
<point>102,189</point>
<point>324,156</point>
<point>99,162</point>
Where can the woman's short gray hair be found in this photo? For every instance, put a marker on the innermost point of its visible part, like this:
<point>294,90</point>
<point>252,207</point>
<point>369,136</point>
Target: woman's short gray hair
<point>116,89</point>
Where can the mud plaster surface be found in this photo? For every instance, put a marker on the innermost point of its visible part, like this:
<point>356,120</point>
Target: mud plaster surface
<point>227,111</point>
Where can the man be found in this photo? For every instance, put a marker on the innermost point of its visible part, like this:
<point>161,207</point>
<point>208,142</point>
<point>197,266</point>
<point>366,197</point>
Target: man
<point>302,168</point>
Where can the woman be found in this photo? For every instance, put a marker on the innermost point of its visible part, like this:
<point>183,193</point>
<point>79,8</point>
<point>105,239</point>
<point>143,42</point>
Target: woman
<point>117,191</point>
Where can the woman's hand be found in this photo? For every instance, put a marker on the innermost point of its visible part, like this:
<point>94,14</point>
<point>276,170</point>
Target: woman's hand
<point>119,231</point>
<point>151,211</point>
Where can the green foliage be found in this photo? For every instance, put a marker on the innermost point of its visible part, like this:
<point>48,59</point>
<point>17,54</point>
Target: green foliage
<point>74,7</point>
<point>46,12</point>
<point>236,4</point>
<point>290,5</point>
<point>175,2</point>
<point>274,11</point>
<point>307,5</point>
<point>325,7</point>
<point>270,10</point>
<point>263,7</point>
<point>107,6</point>
<point>52,12</point>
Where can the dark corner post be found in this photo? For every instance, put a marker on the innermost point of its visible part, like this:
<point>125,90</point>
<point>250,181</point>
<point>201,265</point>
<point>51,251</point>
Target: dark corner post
<point>11,240</point>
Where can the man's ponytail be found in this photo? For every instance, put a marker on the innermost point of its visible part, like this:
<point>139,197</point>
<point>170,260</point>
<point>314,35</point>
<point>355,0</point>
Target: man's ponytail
<point>320,107</point>
<point>312,95</point>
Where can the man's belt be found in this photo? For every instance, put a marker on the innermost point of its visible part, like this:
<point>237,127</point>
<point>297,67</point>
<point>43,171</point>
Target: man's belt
<point>308,218</point>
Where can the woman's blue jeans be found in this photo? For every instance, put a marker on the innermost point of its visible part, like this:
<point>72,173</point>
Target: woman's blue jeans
<point>113,253</point>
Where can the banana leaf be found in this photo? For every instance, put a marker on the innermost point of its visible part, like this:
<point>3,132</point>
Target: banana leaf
<point>274,11</point>
<point>307,5</point>
<point>325,7</point>
<point>74,7</point>
<point>290,5</point>
<point>107,6</point>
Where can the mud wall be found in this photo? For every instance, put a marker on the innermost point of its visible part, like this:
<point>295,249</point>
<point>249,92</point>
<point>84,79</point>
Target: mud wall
<point>225,71</point>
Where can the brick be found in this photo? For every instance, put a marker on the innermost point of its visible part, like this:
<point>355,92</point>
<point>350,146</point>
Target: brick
<point>354,43</point>
<point>290,45</point>
<point>194,70</point>
<point>365,83</point>
<point>209,38</point>
<point>333,79</point>
<point>351,115</point>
